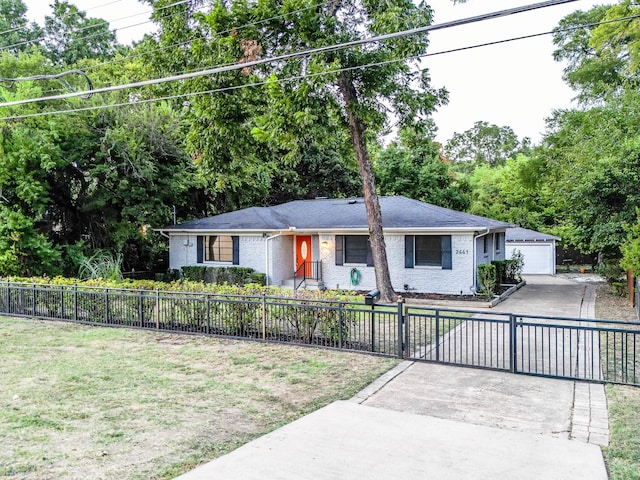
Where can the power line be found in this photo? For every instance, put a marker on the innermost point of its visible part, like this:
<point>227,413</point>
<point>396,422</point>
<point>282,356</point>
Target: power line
<point>222,32</point>
<point>64,16</point>
<point>304,53</point>
<point>96,25</point>
<point>298,77</point>
<point>55,76</point>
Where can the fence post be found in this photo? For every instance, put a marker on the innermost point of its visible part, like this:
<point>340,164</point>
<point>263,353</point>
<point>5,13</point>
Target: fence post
<point>157,309</point>
<point>400,327</point>
<point>33,291</point>
<point>264,316</point>
<point>373,328</point>
<point>141,307</point>
<point>62,290</point>
<point>340,313</point>
<point>513,350</point>
<point>75,301</point>
<point>207,298</point>
<point>437,335</point>
<point>9,296</point>
<point>106,305</point>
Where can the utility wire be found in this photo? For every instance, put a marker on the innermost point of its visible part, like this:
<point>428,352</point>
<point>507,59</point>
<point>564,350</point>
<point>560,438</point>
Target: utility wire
<point>99,24</point>
<point>64,16</point>
<point>222,32</point>
<point>306,76</point>
<point>55,76</point>
<point>304,53</point>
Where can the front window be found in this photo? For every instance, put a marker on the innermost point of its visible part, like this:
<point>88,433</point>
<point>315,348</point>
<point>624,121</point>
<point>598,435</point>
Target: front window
<point>355,248</point>
<point>428,250</point>
<point>218,248</point>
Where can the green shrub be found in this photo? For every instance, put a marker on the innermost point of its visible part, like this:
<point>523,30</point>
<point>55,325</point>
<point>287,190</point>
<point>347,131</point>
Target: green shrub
<point>514,269</point>
<point>487,279</point>
<point>508,271</point>
<point>223,275</point>
<point>611,270</point>
<point>619,288</point>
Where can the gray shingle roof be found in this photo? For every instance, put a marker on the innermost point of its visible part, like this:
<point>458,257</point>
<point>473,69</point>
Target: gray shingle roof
<point>519,234</point>
<point>397,212</point>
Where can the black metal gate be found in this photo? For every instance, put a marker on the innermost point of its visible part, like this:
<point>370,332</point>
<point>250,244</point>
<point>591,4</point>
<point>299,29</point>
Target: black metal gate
<point>571,348</point>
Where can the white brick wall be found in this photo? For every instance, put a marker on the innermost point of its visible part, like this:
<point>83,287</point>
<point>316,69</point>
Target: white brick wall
<point>281,263</point>
<point>183,251</point>
<point>281,251</point>
<point>419,279</point>
<point>252,252</point>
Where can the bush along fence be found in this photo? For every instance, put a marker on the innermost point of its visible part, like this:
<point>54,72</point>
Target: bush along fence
<point>594,350</point>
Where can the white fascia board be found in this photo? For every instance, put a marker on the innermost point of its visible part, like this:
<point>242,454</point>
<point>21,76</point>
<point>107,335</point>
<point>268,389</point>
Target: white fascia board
<point>309,231</point>
<point>201,231</point>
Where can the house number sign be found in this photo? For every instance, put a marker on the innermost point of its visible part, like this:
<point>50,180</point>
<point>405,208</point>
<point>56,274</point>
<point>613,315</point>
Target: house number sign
<point>461,252</point>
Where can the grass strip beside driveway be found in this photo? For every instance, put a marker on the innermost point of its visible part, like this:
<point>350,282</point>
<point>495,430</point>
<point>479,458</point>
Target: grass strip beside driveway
<point>108,403</point>
<point>623,454</point>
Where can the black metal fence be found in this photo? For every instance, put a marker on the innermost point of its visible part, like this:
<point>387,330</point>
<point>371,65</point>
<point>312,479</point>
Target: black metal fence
<point>594,350</point>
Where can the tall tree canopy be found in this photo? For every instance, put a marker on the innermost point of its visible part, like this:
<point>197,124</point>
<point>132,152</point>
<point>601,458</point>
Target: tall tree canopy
<point>74,183</point>
<point>590,155</point>
<point>17,32</point>
<point>71,36</point>
<point>307,99</point>
<point>601,58</point>
<point>414,167</point>
<point>486,143</point>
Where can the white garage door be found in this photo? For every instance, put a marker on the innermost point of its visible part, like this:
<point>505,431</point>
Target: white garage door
<point>538,258</point>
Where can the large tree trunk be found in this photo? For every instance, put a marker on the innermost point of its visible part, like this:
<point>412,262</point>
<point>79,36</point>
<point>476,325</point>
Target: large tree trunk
<point>374,215</point>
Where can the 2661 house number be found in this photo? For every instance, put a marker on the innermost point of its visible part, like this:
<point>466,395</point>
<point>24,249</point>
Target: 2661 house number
<point>462,252</point>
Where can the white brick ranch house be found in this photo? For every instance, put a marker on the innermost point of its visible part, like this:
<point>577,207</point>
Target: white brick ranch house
<point>324,242</point>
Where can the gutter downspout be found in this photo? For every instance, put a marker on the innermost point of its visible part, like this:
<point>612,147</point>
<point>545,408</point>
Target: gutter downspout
<point>266,255</point>
<point>475,259</point>
<point>165,235</point>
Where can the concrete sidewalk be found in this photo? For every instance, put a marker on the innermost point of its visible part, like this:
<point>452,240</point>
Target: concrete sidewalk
<point>349,441</point>
<point>435,421</point>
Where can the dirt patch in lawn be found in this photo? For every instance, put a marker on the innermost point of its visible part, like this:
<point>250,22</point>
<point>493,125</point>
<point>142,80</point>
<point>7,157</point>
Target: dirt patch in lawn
<point>102,403</point>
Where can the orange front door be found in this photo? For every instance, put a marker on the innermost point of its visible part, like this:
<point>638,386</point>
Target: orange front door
<point>303,254</point>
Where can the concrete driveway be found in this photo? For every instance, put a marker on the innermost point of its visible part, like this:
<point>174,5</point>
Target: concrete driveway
<point>434,421</point>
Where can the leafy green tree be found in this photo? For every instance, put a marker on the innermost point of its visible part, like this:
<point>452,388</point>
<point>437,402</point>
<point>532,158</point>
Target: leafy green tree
<point>70,36</point>
<point>17,32</point>
<point>510,193</point>
<point>486,143</point>
<point>414,167</point>
<point>92,180</point>
<point>307,99</point>
<point>600,58</point>
<point>592,159</point>
<point>631,248</point>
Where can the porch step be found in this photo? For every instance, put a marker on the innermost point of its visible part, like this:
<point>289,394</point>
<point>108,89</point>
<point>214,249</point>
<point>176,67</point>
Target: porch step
<point>307,284</point>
